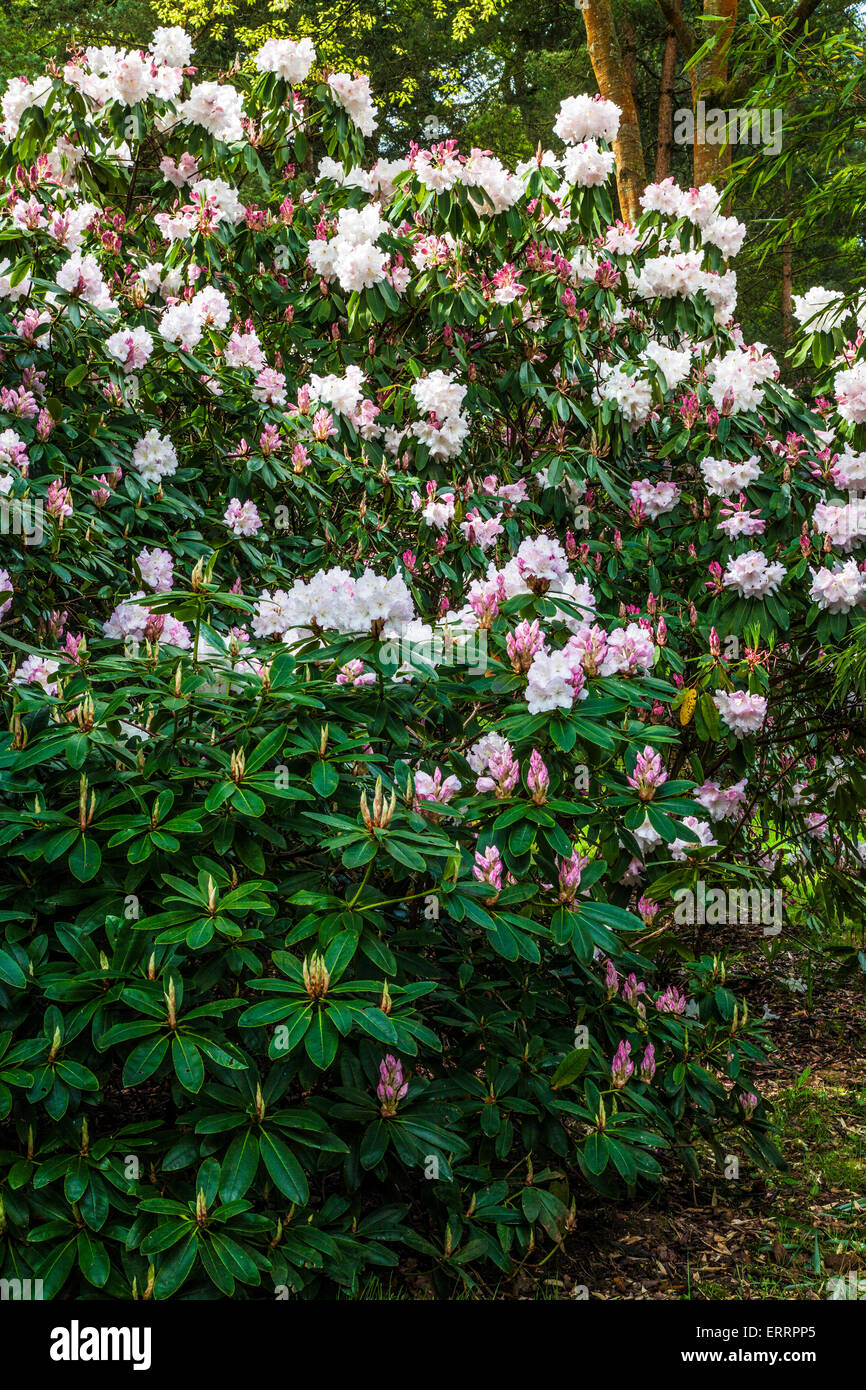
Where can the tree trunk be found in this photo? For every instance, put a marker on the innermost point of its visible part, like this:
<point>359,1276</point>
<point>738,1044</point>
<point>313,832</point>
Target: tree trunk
<point>709,78</point>
<point>787,280</point>
<point>629,54</point>
<point>610,74</point>
<point>666,108</point>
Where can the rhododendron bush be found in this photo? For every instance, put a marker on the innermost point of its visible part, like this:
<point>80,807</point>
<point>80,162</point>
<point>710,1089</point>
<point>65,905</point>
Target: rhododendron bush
<point>411,582</point>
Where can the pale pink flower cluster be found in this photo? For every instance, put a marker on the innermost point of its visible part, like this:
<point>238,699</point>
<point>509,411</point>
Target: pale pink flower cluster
<point>131,347</point>
<point>738,521</point>
<point>492,760</point>
<point>481,531</point>
<point>218,108</point>
<point>179,172</point>
<point>843,522</point>
<point>656,499</point>
<point>839,589</point>
<point>5,587</point>
<point>354,674</point>
<point>742,712</point>
<point>37,670</point>
<point>752,575</point>
<point>680,849</point>
<point>849,470</point>
<point>269,387</point>
<point>435,789</point>
<point>630,651</point>
<point>648,775</point>
<point>156,568</point>
<point>134,622</point>
<point>721,803</point>
<point>13,451</point>
<point>244,350</point>
<point>850,388</point>
<point>242,518</point>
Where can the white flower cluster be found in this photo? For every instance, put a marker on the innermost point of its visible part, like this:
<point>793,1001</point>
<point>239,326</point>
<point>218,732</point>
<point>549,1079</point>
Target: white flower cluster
<point>154,457</point>
<point>221,200</point>
<point>184,323</point>
<point>739,378</point>
<point>630,393</point>
<point>342,393</point>
<point>20,96</point>
<point>725,478</point>
<point>353,94</point>
<point>819,310</point>
<point>557,678</point>
<point>700,206</point>
<point>674,365</point>
<point>554,681</point>
<point>333,601</point>
<point>493,188</point>
<point>290,59</point>
<point>351,256</point>
<point>218,108</point>
<point>586,165</point>
<point>81,276</point>
<point>129,77</point>
<point>584,118</point>
<point>377,181</point>
<point>440,397</point>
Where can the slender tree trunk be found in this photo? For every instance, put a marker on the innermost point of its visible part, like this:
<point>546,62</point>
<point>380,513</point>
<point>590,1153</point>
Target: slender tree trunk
<point>666,108</point>
<point>709,78</point>
<point>610,74</point>
<point>787,280</point>
<point>629,54</point>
